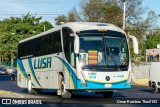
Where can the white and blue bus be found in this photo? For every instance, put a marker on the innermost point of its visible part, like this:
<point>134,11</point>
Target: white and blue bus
<point>76,56</point>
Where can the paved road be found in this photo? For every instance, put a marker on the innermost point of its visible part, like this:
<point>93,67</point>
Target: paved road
<point>13,91</point>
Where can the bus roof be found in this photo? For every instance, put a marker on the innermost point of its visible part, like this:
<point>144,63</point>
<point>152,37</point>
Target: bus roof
<point>79,26</point>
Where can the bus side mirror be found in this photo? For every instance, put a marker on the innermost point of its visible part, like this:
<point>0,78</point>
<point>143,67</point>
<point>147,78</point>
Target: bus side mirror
<point>76,44</point>
<point>135,44</point>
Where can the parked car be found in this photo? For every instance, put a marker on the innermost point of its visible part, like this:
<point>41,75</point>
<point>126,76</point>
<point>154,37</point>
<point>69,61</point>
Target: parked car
<point>14,75</point>
<point>3,71</point>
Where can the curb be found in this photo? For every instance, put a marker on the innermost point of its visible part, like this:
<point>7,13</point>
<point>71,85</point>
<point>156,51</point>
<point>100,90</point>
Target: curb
<point>4,92</point>
<point>141,82</point>
<point>10,94</point>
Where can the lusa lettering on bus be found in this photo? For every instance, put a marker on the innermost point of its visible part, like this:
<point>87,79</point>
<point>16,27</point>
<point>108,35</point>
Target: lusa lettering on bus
<point>42,63</point>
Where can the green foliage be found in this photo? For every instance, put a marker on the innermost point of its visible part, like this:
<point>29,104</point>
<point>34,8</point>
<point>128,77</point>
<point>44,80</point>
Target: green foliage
<point>40,26</point>
<point>8,46</point>
<point>153,40</point>
<point>60,19</point>
<point>112,14</point>
<point>14,29</point>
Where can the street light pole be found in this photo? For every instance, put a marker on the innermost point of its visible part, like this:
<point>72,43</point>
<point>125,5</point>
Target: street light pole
<point>124,13</point>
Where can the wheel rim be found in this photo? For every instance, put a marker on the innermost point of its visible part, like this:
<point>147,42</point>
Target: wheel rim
<point>29,85</point>
<point>62,88</point>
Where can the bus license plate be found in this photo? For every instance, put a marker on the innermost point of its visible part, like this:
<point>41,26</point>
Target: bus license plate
<point>108,85</point>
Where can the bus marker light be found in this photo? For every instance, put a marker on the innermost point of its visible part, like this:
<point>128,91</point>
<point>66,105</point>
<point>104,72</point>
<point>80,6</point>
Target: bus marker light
<point>102,30</point>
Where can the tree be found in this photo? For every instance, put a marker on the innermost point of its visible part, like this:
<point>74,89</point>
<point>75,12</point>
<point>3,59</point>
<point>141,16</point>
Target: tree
<point>153,40</point>
<point>60,19</point>
<point>91,10</point>
<point>15,29</point>
<point>112,14</point>
<point>43,26</point>
<point>72,15</point>
<point>94,11</point>
<point>111,11</point>
<point>8,46</point>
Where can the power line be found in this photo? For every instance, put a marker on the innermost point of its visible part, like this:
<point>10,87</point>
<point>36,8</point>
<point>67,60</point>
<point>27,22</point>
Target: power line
<point>1,11</point>
<point>33,14</point>
<point>39,2</point>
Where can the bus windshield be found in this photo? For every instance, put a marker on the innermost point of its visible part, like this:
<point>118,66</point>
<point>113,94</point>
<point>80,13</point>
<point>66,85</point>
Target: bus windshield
<point>103,52</point>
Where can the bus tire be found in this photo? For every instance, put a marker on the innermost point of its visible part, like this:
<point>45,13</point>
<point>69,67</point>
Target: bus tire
<point>30,89</point>
<point>108,94</point>
<point>64,93</point>
<point>154,88</point>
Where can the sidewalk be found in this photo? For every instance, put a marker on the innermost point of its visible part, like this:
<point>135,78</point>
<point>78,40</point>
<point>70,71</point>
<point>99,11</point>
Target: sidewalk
<point>141,82</point>
<point>4,93</point>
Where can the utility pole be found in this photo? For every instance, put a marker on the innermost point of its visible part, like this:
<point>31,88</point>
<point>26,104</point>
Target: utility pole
<point>124,13</point>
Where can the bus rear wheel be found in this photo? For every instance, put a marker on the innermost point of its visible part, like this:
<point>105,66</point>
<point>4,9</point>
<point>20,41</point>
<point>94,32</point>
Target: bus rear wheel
<point>64,93</point>
<point>108,94</point>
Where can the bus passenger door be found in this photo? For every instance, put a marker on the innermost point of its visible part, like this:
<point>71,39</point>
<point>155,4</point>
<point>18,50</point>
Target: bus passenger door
<point>69,58</point>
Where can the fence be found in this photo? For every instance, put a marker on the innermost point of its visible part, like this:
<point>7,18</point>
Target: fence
<point>141,71</point>
<point>9,63</point>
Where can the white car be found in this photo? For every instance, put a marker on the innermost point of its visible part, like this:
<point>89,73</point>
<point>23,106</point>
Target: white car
<point>154,76</point>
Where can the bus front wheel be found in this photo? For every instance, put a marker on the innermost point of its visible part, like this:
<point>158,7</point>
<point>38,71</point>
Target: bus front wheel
<point>108,94</point>
<point>30,89</point>
<point>64,93</point>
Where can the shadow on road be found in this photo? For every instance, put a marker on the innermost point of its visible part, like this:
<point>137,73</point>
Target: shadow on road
<point>85,95</point>
<point>5,78</point>
<point>148,90</point>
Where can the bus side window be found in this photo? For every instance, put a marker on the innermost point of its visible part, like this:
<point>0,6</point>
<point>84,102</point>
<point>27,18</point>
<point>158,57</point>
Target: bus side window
<point>23,49</point>
<point>31,48</point>
<point>19,50</point>
<point>38,46</point>
<point>56,43</point>
<point>47,44</point>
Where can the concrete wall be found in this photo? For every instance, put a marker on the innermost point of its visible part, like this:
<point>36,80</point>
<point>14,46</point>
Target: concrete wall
<point>141,70</point>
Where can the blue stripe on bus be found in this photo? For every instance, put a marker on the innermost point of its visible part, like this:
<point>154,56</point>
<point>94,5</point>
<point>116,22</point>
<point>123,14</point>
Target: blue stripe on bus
<point>20,64</point>
<point>32,71</point>
<point>71,72</point>
<point>22,69</point>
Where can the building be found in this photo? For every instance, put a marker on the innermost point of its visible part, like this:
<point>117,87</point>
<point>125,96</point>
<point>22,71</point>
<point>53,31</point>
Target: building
<point>153,55</point>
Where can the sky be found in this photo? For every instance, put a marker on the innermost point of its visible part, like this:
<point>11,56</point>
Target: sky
<point>49,9</point>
